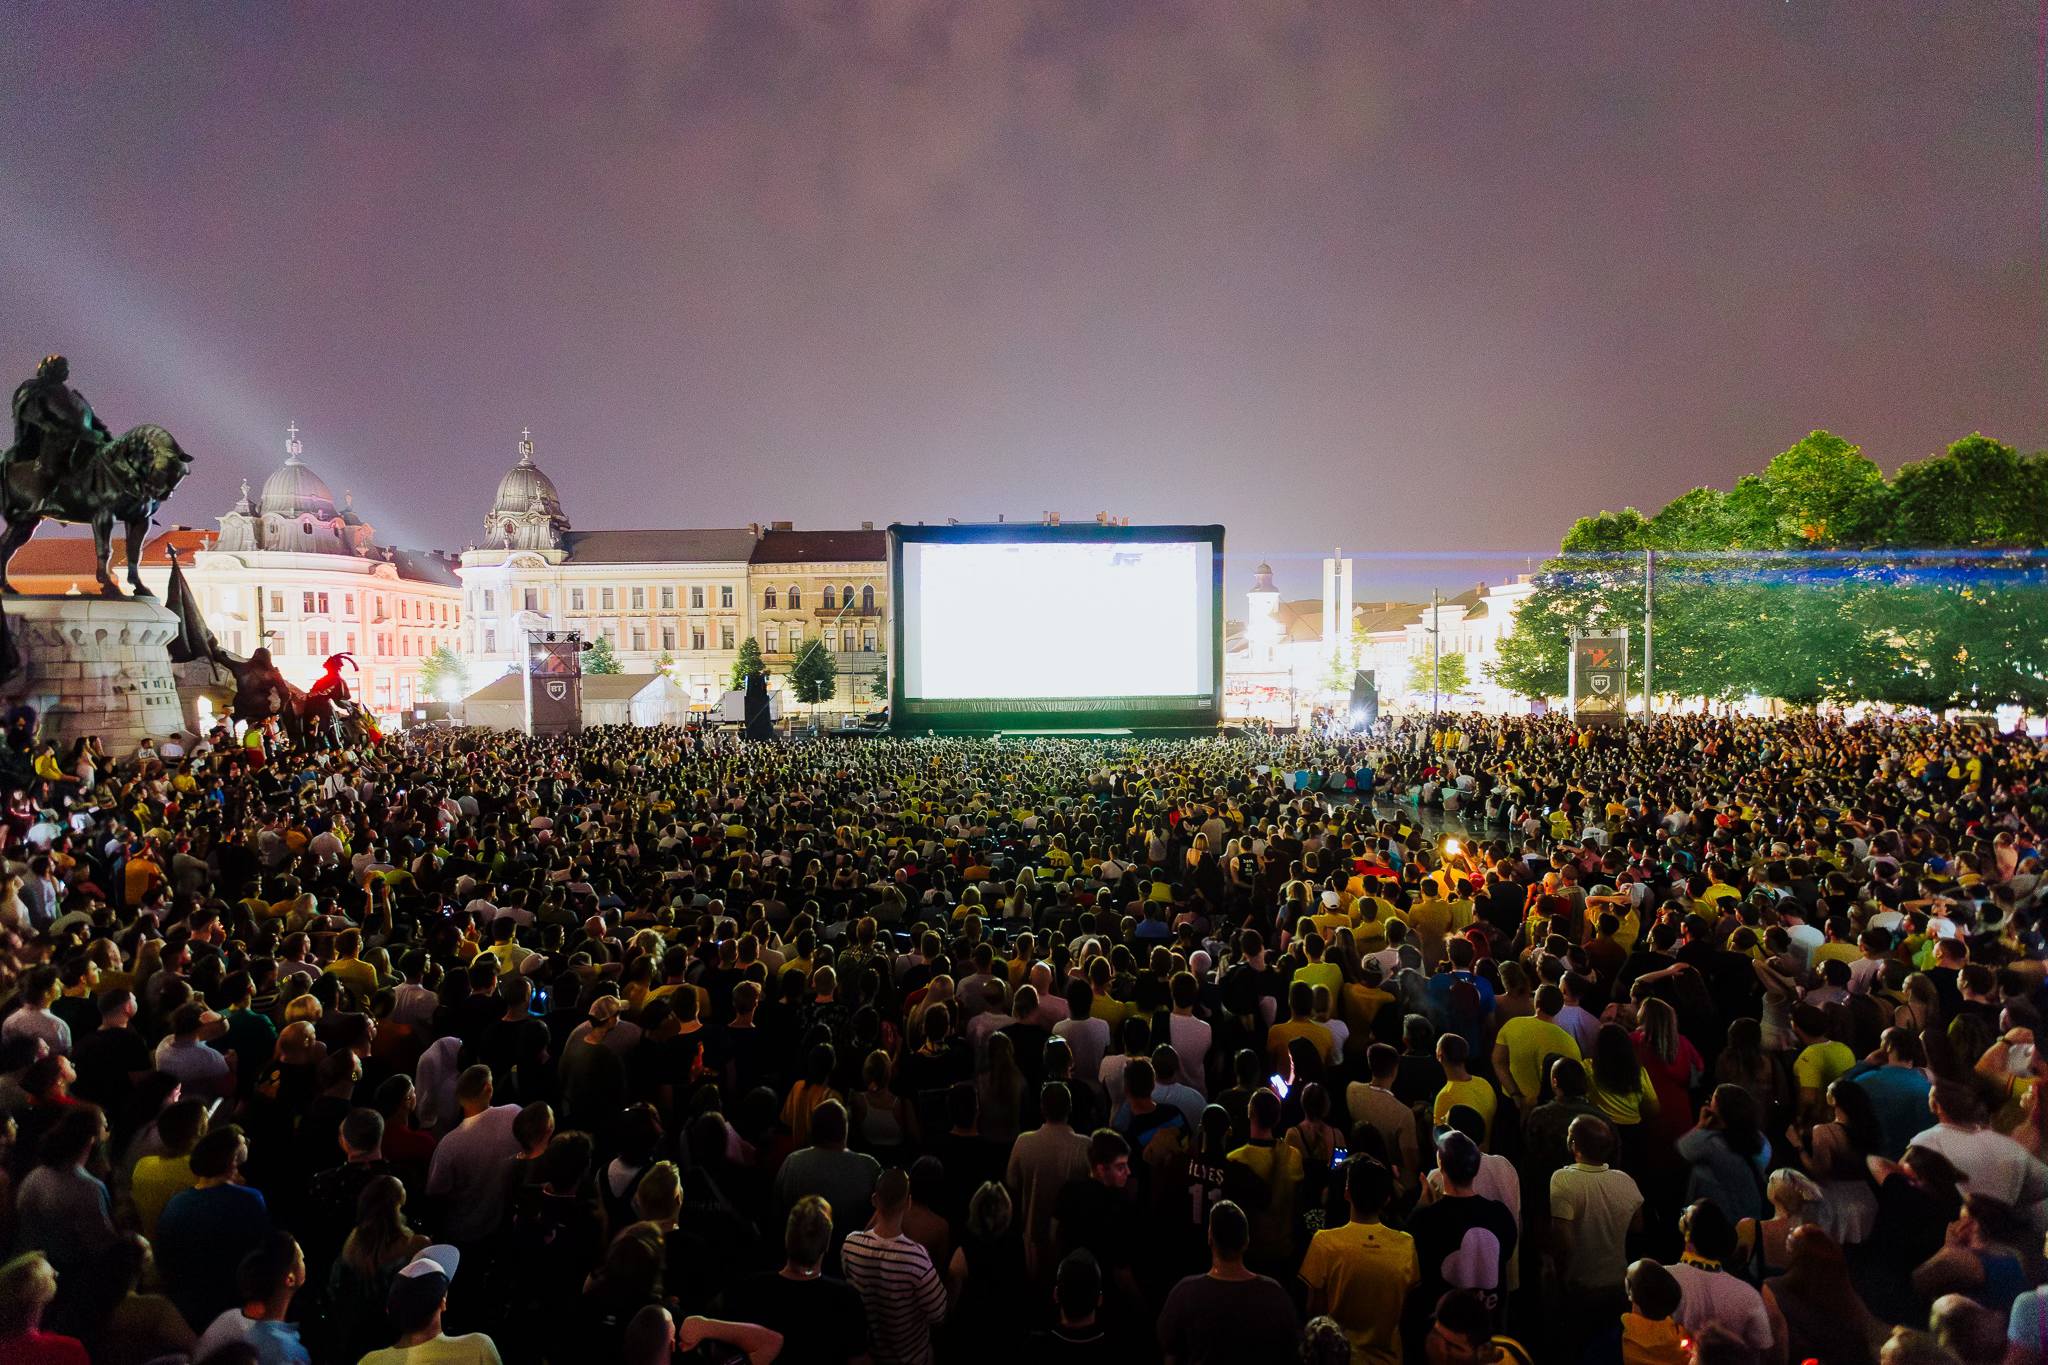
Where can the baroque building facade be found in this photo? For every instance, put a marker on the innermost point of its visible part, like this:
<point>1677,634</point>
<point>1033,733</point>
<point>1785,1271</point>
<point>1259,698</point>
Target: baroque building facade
<point>292,572</point>
<point>674,600</point>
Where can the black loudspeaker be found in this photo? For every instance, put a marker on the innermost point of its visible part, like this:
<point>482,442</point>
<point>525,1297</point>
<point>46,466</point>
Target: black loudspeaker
<point>760,720</point>
<point>1365,699</point>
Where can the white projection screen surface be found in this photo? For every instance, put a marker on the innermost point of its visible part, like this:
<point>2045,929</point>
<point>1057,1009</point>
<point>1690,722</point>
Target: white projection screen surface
<point>1059,626</point>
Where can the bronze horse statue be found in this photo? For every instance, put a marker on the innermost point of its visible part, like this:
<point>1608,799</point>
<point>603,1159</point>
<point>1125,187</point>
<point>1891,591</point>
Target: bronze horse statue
<point>124,479</point>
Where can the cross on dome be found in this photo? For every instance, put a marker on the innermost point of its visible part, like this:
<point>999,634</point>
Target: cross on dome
<point>526,445</point>
<point>292,448</point>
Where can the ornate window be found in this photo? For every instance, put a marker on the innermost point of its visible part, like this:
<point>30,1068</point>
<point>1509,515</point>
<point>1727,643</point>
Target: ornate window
<point>829,600</point>
<point>796,597</point>
<point>768,600</point>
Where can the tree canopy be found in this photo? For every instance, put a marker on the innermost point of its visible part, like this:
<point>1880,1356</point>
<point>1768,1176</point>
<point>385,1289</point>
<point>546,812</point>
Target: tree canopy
<point>748,660</point>
<point>599,658</point>
<point>1818,579</point>
<point>814,677</point>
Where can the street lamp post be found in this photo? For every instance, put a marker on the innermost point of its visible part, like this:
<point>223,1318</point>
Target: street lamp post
<point>1435,648</point>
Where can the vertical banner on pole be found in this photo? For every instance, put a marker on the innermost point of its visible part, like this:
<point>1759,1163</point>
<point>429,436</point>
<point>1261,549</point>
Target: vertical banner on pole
<point>554,682</point>
<point>1599,678</point>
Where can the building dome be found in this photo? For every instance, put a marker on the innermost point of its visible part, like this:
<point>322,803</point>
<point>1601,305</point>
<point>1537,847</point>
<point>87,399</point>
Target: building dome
<point>1263,579</point>
<point>524,485</point>
<point>295,490</point>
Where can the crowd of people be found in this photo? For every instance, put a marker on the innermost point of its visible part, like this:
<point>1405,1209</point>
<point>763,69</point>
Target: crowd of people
<point>1457,1040</point>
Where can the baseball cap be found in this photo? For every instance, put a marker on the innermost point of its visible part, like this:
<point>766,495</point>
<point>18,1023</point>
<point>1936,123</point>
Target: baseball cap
<point>421,1286</point>
<point>1331,898</point>
<point>606,1007</point>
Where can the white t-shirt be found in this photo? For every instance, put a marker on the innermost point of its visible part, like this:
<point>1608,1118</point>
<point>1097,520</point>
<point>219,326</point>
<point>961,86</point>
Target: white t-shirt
<point>1995,1164</point>
<point>1714,1298</point>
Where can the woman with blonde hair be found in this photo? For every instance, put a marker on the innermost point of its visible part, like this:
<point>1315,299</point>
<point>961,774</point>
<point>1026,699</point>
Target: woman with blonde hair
<point>28,1286</point>
<point>938,992</point>
<point>377,1247</point>
<point>982,1274</point>
<point>1796,1202</point>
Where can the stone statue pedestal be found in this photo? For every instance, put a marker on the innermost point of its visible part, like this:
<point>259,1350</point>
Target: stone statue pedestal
<point>95,666</point>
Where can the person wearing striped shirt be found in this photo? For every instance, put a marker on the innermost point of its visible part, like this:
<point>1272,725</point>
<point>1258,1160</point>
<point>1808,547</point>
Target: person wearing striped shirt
<point>903,1295</point>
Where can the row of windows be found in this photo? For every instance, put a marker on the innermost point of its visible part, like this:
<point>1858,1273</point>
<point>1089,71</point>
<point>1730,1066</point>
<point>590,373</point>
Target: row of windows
<point>727,638</point>
<point>636,599</point>
<point>322,604</point>
<point>842,598</point>
<point>845,640</point>
<point>535,599</point>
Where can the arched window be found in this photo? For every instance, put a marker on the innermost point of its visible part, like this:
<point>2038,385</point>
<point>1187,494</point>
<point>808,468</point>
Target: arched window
<point>846,595</point>
<point>796,597</point>
<point>768,600</point>
<point>867,597</point>
<point>829,602</point>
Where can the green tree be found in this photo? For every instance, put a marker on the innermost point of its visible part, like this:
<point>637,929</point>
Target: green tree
<point>748,660</point>
<point>813,677</point>
<point>444,676</point>
<point>1976,494</point>
<point>1450,674</point>
<point>1825,492</point>
<point>665,662</point>
<point>599,659</point>
<point>1335,677</point>
<point>1744,604</point>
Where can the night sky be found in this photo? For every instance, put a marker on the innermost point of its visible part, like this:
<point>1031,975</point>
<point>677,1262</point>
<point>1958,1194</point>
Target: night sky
<point>1422,277</point>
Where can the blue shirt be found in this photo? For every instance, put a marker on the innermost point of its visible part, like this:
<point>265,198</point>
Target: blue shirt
<point>1899,1096</point>
<point>275,1343</point>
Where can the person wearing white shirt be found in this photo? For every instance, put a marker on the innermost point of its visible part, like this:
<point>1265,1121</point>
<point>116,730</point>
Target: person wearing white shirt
<point>39,989</point>
<point>468,1170</point>
<point>1709,1295</point>
<point>1994,1164</point>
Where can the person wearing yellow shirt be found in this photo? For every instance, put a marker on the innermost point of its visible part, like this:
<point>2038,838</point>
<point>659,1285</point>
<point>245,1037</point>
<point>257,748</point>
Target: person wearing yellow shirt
<point>505,945</point>
<point>1460,1085</point>
<point>1719,888</point>
<point>1101,1004</point>
<point>157,1179</point>
<point>1429,919</point>
<point>1616,1081</point>
<point>1330,915</point>
<point>1821,1061</point>
<point>1360,1274</point>
<point>1360,1003</point>
<point>1317,972</point>
<point>1301,1023</point>
<point>1277,1165</point>
<point>348,965</point>
<point>1523,1048</point>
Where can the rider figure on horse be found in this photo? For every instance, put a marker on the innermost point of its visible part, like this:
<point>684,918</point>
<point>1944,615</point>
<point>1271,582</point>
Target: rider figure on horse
<point>52,420</point>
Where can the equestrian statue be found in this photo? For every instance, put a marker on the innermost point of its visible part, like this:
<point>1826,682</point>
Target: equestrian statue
<point>66,465</point>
